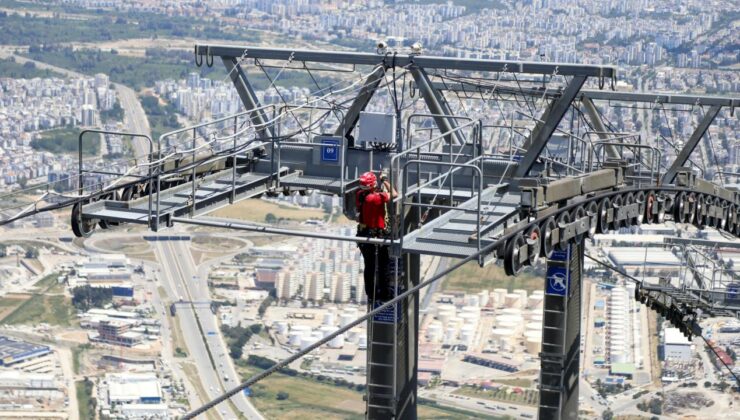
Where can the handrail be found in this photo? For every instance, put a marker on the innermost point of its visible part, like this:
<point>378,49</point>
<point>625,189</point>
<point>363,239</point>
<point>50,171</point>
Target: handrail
<point>417,114</point>
<point>457,166</point>
<point>80,175</point>
<point>655,160</point>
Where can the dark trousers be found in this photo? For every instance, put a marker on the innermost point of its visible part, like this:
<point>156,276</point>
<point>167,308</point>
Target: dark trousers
<point>375,264</point>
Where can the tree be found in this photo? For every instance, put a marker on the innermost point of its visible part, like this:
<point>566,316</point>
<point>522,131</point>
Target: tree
<point>32,252</point>
<point>607,415</point>
<point>656,406</point>
<point>282,395</point>
<point>270,218</point>
<point>707,384</point>
<point>3,251</point>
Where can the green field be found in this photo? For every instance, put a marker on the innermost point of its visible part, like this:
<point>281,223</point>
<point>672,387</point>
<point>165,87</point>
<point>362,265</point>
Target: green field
<point>85,399</point>
<point>527,397</point>
<point>66,140</point>
<point>308,398</point>
<point>472,278</point>
<point>9,68</point>
<point>52,310</point>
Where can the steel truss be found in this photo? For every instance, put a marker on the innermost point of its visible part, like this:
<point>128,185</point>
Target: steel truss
<point>459,196</point>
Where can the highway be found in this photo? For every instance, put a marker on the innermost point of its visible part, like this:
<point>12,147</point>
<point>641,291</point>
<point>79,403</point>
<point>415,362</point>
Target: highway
<point>180,279</point>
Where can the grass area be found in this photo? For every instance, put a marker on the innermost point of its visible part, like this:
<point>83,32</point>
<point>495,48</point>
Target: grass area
<point>523,383</point>
<point>77,353</point>
<point>52,310</point>
<point>30,29</point>
<point>308,398</point>
<point>472,278</point>
<point>84,399</point>
<point>427,409</point>
<point>257,210</point>
<point>162,118</point>
<point>124,246</point>
<point>527,397</point>
<point>215,243</point>
<point>9,304</point>
<point>66,140</point>
<point>9,68</point>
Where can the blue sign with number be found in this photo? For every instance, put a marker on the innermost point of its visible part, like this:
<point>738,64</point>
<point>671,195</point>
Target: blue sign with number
<point>330,150</point>
<point>733,291</point>
<point>386,316</point>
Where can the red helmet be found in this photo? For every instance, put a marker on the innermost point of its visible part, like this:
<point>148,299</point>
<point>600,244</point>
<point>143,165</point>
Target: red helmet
<point>368,181</point>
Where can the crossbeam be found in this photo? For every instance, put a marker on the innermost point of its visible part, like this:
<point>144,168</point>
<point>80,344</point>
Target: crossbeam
<point>403,60</point>
<point>437,104</point>
<point>360,102</point>
<point>248,97</point>
<point>603,95</point>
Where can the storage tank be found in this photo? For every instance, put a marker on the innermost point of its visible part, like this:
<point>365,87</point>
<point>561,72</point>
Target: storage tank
<point>510,311</point>
<point>328,318</point>
<point>513,300</point>
<point>326,330</point>
<point>450,335</point>
<point>467,332</point>
<point>534,301</point>
<point>295,337</point>
<point>533,341</point>
<point>337,342</point>
<point>500,296</point>
<point>515,320</point>
<point>346,318</point>
<point>522,295</point>
<point>469,319</point>
<point>472,300</point>
<point>502,338</point>
<point>534,326</point>
<point>281,327</point>
<point>434,332</point>
<point>483,298</point>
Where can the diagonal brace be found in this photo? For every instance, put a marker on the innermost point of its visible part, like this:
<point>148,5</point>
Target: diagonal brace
<point>545,128</point>
<point>691,144</point>
<point>437,104</point>
<point>248,97</point>
<point>360,103</point>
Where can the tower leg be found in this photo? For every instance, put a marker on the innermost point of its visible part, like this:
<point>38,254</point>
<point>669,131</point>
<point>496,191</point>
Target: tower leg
<point>561,335</point>
<point>392,352</point>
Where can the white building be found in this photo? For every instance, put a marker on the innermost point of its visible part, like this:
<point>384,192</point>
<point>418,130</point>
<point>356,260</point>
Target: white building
<point>675,345</point>
<point>133,388</point>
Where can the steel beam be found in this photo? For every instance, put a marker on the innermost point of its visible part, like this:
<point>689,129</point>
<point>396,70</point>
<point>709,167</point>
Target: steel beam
<point>248,97</point>
<point>593,115</point>
<point>361,100</point>
<point>437,104</point>
<point>543,130</point>
<point>402,60</point>
<point>602,95</point>
<point>561,335</point>
<point>690,145</point>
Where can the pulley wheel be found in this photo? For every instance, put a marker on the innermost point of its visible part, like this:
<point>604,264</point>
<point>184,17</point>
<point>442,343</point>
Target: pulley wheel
<point>731,218</point>
<point>578,213</point>
<point>678,207</point>
<point>563,220</point>
<point>616,204</point>
<point>691,206</point>
<point>701,211</point>
<point>629,198</point>
<point>80,227</point>
<point>547,242</point>
<point>534,242</point>
<point>512,266</point>
<point>719,221</point>
<point>737,223</point>
<point>593,212</point>
<point>651,204</point>
<point>602,225</point>
<point>130,193</point>
<point>640,197</point>
<point>664,203</point>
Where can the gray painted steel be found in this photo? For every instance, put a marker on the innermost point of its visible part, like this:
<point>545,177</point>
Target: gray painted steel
<point>593,115</point>
<point>247,95</point>
<point>690,145</point>
<point>360,103</point>
<point>437,104</point>
<point>402,60</point>
<point>543,131</point>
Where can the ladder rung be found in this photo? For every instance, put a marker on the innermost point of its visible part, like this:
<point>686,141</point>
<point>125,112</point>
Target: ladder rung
<point>380,364</point>
<point>381,386</point>
<point>387,407</point>
<point>379,343</point>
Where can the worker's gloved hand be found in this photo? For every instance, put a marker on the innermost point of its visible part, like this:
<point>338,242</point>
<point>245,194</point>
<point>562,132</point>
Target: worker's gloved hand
<point>384,176</point>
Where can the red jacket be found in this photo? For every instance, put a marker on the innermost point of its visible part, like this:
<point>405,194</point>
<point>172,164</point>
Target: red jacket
<point>371,206</point>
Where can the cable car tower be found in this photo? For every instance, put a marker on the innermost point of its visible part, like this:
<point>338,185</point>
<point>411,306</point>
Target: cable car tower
<point>495,162</point>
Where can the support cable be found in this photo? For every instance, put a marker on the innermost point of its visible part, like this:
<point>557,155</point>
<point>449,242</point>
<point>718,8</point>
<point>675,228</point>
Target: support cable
<point>618,271</point>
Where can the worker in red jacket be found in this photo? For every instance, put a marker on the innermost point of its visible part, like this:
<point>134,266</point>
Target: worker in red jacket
<point>372,213</point>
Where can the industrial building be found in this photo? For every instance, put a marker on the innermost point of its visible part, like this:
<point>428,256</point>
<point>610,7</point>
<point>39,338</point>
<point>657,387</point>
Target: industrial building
<point>107,271</point>
<point>133,388</point>
<point>13,350</point>
<point>675,345</point>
